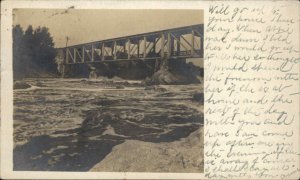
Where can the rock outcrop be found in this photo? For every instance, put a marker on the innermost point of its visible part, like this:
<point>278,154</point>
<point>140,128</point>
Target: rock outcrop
<point>185,155</point>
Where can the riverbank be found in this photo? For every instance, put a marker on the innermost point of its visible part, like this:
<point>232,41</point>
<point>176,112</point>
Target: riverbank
<point>184,156</point>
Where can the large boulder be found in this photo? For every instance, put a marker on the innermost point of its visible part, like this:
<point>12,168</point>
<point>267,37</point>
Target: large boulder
<point>166,77</point>
<point>173,72</point>
<point>184,155</point>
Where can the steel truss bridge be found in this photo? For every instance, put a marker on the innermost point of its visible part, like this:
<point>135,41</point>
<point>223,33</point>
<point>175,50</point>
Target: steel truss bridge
<point>182,42</point>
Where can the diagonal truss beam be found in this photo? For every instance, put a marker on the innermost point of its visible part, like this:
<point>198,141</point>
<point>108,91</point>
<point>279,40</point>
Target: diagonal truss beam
<point>176,39</point>
<point>152,48</point>
<point>117,48</point>
<point>198,33</point>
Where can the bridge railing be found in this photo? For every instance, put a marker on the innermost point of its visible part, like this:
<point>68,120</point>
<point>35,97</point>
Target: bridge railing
<point>172,43</point>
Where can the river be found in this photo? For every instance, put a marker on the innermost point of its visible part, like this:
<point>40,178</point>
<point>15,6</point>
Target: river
<point>73,124</point>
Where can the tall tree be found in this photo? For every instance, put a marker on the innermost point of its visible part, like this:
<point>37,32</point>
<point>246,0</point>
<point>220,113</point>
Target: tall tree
<point>43,49</point>
<point>33,52</point>
<point>19,51</point>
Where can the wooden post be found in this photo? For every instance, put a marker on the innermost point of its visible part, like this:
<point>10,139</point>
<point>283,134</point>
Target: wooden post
<point>145,47</point>
<point>92,52</point>
<point>124,48</point>
<point>157,65</point>
<point>83,52</point>
<point>193,43</point>
<point>178,46</point>
<point>67,55</point>
<point>63,71</point>
<point>74,55</point>
<point>162,53</point>
<point>154,45</point>
<point>169,45</point>
<point>128,48</point>
<point>103,52</point>
<point>115,50</point>
<point>172,44</point>
<point>138,49</point>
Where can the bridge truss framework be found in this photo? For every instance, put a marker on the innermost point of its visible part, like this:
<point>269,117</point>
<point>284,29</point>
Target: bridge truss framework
<point>183,42</point>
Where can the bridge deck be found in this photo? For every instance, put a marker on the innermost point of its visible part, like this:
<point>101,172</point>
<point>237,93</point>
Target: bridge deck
<point>183,42</point>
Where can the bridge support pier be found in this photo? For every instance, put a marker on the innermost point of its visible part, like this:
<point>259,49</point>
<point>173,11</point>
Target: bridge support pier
<point>93,73</point>
<point>157,65</point>
<point>161,64</point>
<point>63,70</point>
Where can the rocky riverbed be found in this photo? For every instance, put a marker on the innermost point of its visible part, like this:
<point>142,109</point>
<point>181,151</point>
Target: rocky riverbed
<point>107,125</point>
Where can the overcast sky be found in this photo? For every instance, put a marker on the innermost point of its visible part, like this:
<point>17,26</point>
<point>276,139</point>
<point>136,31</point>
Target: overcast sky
<point>92,25</point>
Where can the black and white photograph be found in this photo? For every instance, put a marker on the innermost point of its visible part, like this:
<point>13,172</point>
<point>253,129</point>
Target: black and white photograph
<point>94,89</point>
<point>108,90</point>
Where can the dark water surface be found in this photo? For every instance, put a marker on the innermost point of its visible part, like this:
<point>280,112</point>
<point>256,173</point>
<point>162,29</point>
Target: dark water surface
<point>71,125</point>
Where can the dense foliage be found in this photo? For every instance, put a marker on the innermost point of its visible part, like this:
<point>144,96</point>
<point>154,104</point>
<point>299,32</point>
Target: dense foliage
<point>33,52</point>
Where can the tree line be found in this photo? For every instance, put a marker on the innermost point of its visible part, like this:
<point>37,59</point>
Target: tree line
<point>33,52</point>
